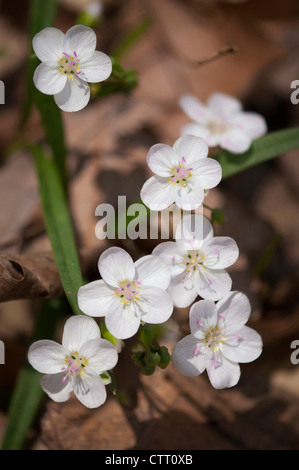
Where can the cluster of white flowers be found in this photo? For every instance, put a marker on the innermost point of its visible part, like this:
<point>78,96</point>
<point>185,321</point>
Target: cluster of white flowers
<point>177,272</point>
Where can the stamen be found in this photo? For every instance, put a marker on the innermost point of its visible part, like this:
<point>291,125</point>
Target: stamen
<point>128,292</point>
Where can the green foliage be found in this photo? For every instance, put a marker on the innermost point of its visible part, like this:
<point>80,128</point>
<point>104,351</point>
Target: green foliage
<point>120,81</point>
<point>270,146</point>
<point>148,354</point>
<point>58,225</point>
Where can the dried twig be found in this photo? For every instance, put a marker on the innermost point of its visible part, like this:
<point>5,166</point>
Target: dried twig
<point>217,55</point>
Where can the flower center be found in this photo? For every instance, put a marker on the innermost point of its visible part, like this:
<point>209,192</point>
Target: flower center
<point>69,64</point>
<point>218,127</point>
<point>213,338</point>
<point>180,175</point>
<point>128,292</point>
<point>194,261</point>
<point>74,365</point>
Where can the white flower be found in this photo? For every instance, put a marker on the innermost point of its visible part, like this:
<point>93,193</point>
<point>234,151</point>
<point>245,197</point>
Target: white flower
<point>69,62</point>
<point>128,293</point>
<point>75,365</point>
<point>182,174</point>
<point>219,340</point>
<point>197,261</point>
<point>222,122</point>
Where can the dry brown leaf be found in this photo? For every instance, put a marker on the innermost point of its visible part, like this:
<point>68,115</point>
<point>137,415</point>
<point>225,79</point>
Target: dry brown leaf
<point>25,277</point>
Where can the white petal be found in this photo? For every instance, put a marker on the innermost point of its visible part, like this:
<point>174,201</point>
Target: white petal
<point>208,173</point>
<point>157,193</point>
<point>90,390</point>
<point>189,197</point>
<point>152,271</point>
<point>225,375</point>
<point>186,359</point>
<point>235,140</point>
<point>220,252</point>
<point>246,346</point>
<point>203,315</point>
<point>212,284</point>
<point>74,96</point>
<point>182,294</point>
<point>97,68</point>
<point>101,355</point>
<point>191,147</point>
<point>203,131</point>
<point>115,266</point>
<point>252,124</point>
<point>123,322</point>
<point>54,386</point>
<point>194,108</point>
<point>223,106</point>
<point>193,231</point>
<point>172,255</point>
<point>162,159</point>
<point>94,299</point>
<point>156,305</point>
<point>235,308</point>
<point>46,356</point>
<point>80,39</point>
<point>48,80</point>
<point>48,44</point>
<point>77,330</point>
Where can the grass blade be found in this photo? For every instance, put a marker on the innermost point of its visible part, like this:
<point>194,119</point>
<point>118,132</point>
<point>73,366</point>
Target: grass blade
<point>265,148</point>
<point>58,225</point>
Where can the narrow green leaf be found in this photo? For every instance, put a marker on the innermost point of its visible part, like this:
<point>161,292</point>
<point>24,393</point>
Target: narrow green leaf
<point>28,394</point>
<point>132,38</point>
<point>42,14</point>
<point>265,148</point>
<point>24,405</point>
<point>54,128</point>
<point>59,226</point>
